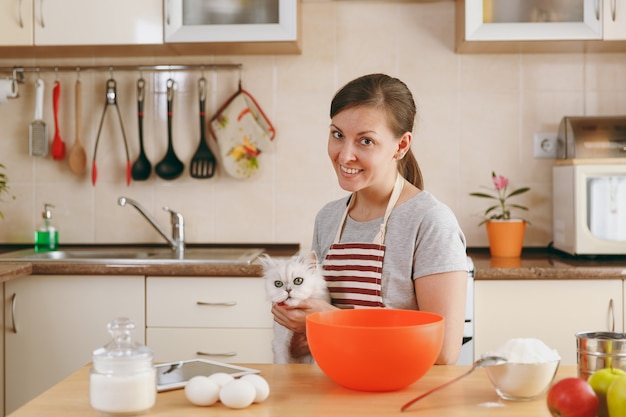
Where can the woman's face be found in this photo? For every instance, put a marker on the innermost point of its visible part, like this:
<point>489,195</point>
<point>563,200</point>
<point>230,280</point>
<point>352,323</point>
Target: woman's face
<point>363,149</point>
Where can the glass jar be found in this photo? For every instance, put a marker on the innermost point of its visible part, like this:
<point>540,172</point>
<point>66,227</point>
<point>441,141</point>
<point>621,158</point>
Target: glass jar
<point>123,377</point>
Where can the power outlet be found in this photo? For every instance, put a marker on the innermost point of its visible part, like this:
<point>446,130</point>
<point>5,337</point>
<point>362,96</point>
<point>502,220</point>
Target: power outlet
<point>544,145</point>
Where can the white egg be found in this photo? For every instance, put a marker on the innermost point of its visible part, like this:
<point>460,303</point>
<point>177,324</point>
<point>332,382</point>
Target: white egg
<point>221,378</point>
<point>260,385</point>
<point>200,390</point>
<point>237,394</point>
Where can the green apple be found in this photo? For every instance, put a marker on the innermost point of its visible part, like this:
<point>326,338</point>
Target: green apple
<point>600,382</point>
<point>616,397</point>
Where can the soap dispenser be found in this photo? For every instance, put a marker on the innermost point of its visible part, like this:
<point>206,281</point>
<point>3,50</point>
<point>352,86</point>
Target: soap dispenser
<point>46,235</point>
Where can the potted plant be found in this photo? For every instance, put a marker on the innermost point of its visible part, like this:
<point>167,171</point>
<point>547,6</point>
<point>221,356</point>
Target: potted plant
<point>506,234</point>
<point>4,187</point>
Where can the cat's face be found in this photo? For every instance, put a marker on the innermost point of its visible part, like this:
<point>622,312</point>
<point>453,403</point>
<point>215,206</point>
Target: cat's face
<point>292,280</point>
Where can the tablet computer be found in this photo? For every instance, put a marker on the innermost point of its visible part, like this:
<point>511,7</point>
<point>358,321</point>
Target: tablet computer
<point>174,375</point>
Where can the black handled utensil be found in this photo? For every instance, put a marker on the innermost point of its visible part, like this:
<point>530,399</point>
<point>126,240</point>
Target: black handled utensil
<point>141,167</point>
<point>203,162</point>
<point>170,166</point>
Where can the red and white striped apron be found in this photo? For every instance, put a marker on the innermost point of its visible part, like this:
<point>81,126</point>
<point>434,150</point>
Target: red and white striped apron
<point>353,271</point>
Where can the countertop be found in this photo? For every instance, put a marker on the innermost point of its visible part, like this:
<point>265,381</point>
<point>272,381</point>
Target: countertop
<point>59,267</point>
<point>12,270</point>
<point>546,264</point>
<point>303,391</point>
<point>533,264</point>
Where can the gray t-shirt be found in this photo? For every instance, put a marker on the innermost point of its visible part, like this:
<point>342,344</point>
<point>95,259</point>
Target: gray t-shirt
<point>423,237</point>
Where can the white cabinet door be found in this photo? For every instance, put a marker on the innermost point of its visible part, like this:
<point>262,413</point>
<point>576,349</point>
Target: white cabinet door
<point>522,20</point>
<point>614,19</point>
<point>550,310</point>
<point>231,21</point>
<point>224,345</point>
<point>16,23</point>
<point>111,22</point>
<point>53,323</point>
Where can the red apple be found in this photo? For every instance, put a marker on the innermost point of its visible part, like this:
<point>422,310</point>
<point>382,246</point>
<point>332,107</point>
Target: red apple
<point>572,397</point>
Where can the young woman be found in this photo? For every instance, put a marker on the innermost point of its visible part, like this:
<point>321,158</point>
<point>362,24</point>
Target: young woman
<point>389,244</point>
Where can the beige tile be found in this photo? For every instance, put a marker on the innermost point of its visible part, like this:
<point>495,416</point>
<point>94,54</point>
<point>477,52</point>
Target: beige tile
<point>561,72</point>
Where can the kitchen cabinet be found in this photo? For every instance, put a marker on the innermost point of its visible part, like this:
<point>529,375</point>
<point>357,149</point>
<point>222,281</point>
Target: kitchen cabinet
<point>489,21</point>
<point>16,22</point>
<point>614,12</point>
<point>53,323</point>
<point>79,22</point>
<point>272,24</point>
<point>221,318</point>
<point>550,310</point>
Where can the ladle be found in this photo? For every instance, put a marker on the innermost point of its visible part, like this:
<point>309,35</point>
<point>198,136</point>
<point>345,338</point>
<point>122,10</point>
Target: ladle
<point>141,168</point>
<point>170,166</point>
<point>480,363</point>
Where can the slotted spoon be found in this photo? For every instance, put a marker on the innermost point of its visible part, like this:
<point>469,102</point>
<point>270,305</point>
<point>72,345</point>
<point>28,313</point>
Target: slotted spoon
<point>203,161</point>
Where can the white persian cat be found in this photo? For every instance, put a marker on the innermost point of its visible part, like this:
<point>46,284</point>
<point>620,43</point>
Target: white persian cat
<point>290,281</point>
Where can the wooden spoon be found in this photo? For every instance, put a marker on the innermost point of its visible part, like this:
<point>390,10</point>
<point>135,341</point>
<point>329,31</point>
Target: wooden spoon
<point>77,157</point>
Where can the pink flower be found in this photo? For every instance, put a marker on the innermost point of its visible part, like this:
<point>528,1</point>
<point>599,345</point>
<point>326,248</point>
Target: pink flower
<point>500,182</point>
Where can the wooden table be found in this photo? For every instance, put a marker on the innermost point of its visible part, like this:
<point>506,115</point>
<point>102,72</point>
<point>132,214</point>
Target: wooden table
<point>303,391</point>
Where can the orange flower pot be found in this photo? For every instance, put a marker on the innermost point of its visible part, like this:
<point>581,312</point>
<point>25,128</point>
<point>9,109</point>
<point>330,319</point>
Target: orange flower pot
<point>506,237</point>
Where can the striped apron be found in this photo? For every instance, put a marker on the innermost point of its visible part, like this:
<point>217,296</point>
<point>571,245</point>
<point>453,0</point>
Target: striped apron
<point>353,271</point>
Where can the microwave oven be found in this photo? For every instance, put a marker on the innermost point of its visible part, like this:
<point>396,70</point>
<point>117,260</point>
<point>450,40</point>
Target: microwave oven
<point>589,206</point>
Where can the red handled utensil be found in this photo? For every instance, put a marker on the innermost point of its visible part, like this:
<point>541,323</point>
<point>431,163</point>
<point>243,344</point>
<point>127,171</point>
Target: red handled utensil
<point>58,146</point>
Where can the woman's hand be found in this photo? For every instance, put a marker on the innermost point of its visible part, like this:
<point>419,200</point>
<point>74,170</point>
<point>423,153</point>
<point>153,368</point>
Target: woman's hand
<point>294,318</point>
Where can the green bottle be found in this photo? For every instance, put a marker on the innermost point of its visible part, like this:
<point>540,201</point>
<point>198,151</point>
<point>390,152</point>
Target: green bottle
<point>46,236</point>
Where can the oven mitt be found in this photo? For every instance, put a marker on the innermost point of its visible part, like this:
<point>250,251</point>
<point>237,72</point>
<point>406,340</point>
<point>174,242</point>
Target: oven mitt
<point>242,132</point>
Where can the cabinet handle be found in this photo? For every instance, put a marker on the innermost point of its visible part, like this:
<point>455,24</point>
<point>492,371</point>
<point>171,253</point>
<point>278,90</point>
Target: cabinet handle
<point>611,316</point>
<point>21,19</point>
<point>13,323</point>
<point>596,5</point>
<point>167,12</point>
<point>43,25</point>
<point>219,303</point>
<point>229,354</point>
<point>613,9</point>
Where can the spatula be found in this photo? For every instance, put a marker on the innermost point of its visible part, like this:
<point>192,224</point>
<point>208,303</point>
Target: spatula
<point>203,161</point>
<point>58,146</point>
<point>38,131</point>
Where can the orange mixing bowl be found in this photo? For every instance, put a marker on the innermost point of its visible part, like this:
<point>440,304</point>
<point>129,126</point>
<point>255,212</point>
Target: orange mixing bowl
<point>375,349</point>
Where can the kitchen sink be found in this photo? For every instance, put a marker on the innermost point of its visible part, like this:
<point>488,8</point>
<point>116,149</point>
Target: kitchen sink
<point>138,255</point>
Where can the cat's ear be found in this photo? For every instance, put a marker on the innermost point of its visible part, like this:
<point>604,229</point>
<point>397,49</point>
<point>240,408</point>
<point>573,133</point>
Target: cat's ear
<point>266,261</point>
<point>311,259</point>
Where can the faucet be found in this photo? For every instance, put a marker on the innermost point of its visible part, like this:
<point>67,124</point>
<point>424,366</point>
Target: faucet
<point>177,240</point>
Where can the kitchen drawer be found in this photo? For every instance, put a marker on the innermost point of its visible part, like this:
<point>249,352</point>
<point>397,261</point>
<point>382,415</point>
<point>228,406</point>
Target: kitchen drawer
<point>221,302</point>
<point>224,345</point>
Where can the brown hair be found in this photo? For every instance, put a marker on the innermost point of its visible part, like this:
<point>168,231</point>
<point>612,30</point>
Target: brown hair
<point>394,97</point>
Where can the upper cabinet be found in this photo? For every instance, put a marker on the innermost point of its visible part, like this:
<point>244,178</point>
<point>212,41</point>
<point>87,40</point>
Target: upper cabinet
<point>488,21</point>
<point>257,24</point>
<point>111,22</point>
<point>614,14</point>
<point>79,28</point>
<point>79,22</point>
<point>16,23</point>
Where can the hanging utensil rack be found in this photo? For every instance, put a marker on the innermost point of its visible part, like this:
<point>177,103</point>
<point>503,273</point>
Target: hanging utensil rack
<point>19,72</point>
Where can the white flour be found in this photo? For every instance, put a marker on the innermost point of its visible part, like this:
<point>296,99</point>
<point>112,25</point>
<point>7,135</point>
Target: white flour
<point>526,350</point>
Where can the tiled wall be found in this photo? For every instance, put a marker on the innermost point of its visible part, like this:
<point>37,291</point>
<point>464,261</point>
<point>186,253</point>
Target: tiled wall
<point>477,114</point>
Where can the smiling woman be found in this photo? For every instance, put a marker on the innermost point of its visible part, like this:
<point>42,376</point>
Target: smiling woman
<point>389,244</point>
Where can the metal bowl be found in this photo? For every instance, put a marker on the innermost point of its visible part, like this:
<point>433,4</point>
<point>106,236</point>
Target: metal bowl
<point>598,350</point>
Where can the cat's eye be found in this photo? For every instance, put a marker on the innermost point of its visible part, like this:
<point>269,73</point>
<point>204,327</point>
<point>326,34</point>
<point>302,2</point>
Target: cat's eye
<point>278,284</point>
<point>298,280</point>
